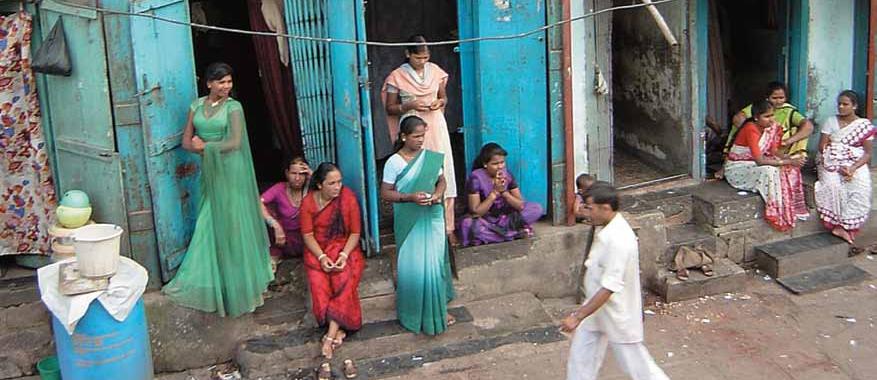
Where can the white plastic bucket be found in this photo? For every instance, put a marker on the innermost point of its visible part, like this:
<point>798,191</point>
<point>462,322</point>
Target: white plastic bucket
<point>97,249</point>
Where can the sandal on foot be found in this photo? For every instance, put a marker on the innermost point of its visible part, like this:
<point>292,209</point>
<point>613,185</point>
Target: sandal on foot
<point>339,339</point>
<point>451,320</point>
<point>707,270</point>
<point>350,371</point>
<point>682,274</point>
<point>327,352</point>
<point>324,372</point>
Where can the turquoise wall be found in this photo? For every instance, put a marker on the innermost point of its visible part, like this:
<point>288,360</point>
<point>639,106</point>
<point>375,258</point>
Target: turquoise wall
<point>831,41</point>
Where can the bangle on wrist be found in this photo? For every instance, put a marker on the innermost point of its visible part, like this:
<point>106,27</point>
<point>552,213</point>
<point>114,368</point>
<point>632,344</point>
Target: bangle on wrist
<point>321,256</point>
<point>343,254</point>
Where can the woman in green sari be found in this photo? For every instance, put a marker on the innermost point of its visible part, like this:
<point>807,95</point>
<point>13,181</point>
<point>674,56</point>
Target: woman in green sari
<point>227,266</point>
<point>414,183</point>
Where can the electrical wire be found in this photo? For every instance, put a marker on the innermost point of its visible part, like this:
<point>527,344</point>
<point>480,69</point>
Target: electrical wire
<point>358,42</point>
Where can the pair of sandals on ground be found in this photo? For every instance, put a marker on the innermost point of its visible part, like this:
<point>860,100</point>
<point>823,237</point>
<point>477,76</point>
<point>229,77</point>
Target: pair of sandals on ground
<point>328,350</point>
<point>696,257</point>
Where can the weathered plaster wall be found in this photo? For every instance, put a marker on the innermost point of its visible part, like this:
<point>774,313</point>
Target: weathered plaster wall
<point>830,43</point>
<point>649,88</point>
<point>591,58</point>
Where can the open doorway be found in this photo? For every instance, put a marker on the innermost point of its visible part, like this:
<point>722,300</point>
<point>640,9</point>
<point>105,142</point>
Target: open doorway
<point>269,148</point>
<point>746,43</point>
<point>398,20</point>
<point>651,134</point>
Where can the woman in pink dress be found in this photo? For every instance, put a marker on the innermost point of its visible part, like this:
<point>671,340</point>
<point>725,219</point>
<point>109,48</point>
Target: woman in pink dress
<point>418,88</point>
<point>281,205</point>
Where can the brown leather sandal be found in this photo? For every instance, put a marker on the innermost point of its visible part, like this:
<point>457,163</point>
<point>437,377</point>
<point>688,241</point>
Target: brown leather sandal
<point>327,350</point>
<point>682,274</point>
<point>350,370</point>
<point>707,270</point>
<point>324,372</point>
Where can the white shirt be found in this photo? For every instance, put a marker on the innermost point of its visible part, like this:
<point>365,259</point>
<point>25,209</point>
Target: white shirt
<point>614,264</point>
<point>394,166</point>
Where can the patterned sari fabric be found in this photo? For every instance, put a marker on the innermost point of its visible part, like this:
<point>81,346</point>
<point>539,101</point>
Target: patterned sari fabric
<point>844,203</point>
<point>781,187</point>
<point>27,193</point>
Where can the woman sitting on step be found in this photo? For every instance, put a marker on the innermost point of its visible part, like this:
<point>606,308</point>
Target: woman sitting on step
<point>754,164</point>
<point>843,192</point>
<point>497,210</point>
<point>330,227</point>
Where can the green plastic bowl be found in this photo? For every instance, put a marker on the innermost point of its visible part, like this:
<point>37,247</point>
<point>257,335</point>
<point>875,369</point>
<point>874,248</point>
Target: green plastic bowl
<point>75,199</point>
<point>49,368</point>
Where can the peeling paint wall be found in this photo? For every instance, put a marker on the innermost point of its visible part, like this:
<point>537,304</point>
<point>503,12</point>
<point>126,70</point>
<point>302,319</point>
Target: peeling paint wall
<point>830,55</point>
<point>649,85</point>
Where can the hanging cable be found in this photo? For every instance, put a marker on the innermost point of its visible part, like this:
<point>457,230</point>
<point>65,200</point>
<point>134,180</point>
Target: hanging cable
<point>358,42</point>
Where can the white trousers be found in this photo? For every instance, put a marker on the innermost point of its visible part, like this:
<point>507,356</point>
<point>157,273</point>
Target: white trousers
<point>589,347</point>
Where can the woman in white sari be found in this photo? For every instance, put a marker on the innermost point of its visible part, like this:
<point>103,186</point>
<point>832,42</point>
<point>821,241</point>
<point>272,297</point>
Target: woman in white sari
<point>843,192</point>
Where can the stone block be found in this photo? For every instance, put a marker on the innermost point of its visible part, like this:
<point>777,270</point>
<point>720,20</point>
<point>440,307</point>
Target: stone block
<point>652,236</point>
<point>801,254</point>
<point>728,278</point>
<point>8,369</point>
<point>23,316</point>
<point>184,338</point>
<point>675,204</point>
<point>23,348</point>
<point>732,245</point>
<point>718,204</point>
<point>19,293</point>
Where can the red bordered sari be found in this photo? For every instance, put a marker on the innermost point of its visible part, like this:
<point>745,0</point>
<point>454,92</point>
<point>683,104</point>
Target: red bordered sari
<point>335,295</point>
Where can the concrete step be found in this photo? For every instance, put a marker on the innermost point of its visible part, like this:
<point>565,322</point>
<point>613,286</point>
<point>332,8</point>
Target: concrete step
<point>728,278</point>
<point>674,204</point>
<point>824,278</point>
<point>801,254</point>
<point>718,204</point>
<point>686,235</point>
<point>384,348</point>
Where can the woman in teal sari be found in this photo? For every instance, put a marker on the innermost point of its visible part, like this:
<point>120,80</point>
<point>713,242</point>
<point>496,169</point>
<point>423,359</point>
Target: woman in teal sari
<point>414,183</point>
<point>227,267</point>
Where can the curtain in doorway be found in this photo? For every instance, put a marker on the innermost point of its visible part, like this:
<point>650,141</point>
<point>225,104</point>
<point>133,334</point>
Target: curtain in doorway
<point>27,192</point>
<point>275,73</point>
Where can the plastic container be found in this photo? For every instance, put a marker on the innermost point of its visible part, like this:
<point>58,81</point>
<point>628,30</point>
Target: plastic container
<point>97,249</point>
<point>49,368</point>
<point>102,348</point>
<point>73,217</point>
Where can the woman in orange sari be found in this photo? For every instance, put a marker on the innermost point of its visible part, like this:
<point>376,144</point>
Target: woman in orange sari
<point>330,227</point>
<point>418,88</point>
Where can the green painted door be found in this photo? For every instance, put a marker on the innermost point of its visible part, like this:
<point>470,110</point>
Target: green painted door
<point>82,124</point>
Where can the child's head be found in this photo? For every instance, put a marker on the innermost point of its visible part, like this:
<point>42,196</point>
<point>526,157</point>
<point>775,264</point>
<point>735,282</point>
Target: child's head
<point>583,183</point>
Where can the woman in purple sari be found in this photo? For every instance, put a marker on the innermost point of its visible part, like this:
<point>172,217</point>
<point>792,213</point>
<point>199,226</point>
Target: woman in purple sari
<point>497,210</point>
<point>281,205</point>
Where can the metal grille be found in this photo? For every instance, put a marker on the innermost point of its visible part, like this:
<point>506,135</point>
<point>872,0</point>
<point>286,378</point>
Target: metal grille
<point>312,78</point>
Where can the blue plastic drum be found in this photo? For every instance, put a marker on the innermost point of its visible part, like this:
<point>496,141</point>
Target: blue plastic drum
<point>102,348</point>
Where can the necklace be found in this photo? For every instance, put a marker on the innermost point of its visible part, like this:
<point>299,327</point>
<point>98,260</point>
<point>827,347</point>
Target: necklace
<point>405,156</point>
<point>291,194</point>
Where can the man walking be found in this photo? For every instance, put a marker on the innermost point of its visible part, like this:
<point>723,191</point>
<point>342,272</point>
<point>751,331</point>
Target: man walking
<point>612,314</point>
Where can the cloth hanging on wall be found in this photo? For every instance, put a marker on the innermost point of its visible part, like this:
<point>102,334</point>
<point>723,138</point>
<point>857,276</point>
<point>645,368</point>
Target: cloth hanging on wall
<point>27,192</point>
<point>276,84</point>
<point>272,11</point>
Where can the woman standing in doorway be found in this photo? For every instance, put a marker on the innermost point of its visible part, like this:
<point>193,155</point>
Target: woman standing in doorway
<point>843,192</point>
<point>226,268</point>
<point>418,88</point>
<point>331,225</point>
<point>413,182</point>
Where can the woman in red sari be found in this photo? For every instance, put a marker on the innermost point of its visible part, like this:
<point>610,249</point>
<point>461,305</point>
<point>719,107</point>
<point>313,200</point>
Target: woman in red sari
<point>330,227</point>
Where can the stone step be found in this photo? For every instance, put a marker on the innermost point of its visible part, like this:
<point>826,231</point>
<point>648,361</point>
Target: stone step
<point>801,254</point>
<point>718,204</point>
<point>728,278</point>
<point>824,278</point>
<point>384,348</point>
<point>686,235</point>
<point>674,204</point>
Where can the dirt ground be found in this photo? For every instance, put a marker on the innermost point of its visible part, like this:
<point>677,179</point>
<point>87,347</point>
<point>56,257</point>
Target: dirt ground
<point>762,333</point>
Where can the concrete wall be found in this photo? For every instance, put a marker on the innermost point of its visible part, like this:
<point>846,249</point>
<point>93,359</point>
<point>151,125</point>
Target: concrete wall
<point>650,84</point>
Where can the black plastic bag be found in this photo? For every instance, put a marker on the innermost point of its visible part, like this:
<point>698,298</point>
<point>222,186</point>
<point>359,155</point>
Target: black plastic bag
<point>53,57</point>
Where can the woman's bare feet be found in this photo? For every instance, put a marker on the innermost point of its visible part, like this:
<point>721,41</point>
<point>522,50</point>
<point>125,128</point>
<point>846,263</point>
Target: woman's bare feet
<point>843,234</point>
<point>328,349</point>
<point>450,320</point>
<point>339,339</point>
